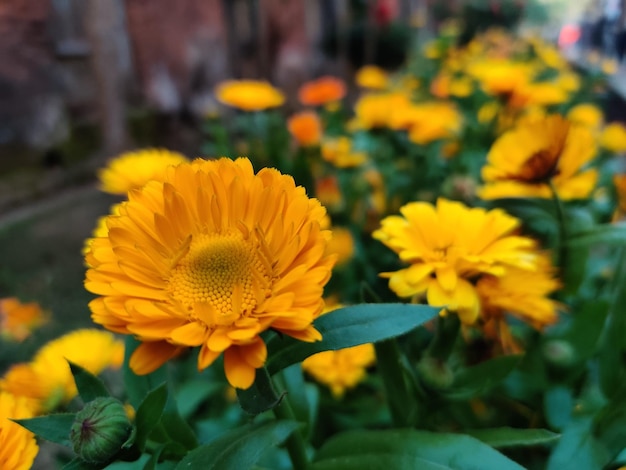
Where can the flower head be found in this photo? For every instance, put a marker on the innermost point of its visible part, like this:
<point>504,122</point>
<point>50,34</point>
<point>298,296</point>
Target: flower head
<point>613,137</point>
<point>211,257</point>
<point>340,153</point>
<point>448,245</point>
<point>18,447</point>
<point>372,77</point>
<point>306,128</point>
<point>586,114</point>
<point>524,161</point>
<point>321,91</point>
<point>249,95</point>
<point>47,380</point>
<point>134,169</point>
<point>342,369</point>
<point>18,320</point>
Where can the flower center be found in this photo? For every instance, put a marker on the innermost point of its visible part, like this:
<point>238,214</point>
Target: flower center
<point>230,273</point>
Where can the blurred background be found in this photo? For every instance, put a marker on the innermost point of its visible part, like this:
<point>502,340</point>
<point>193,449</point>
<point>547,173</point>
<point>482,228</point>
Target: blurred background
<point>82,80</point>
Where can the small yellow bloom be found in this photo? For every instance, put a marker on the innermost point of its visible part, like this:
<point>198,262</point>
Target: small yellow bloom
<point>340,370</point>
<point>341,244</point>
<point>210,258</point>
<point>372,77</point>
<point>613,137</point>
<point>446,247</point>
<point>249,95</point>
<point>586,114</point>
<point>375,110</point>
<point>339,152</point>
<point>132,170</point>
<point>306,128</point>
<point>18,447</point>
<point>18,320</point>
<point>523,161</point>
<point>609,66</point>
<point>488,111</point>
<point>428,122</point>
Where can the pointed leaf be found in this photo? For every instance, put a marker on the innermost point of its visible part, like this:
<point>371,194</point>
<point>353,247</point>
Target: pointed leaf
<point>261,396</point>
<point>609,234</point>
<point>579,448</point>
<point>53,428</point>
<point>350,326</point>
<point>511,437</point>
<point>240,448</point>
<point>478,379</point>
<point>149,414</point>
<point>89,386</point>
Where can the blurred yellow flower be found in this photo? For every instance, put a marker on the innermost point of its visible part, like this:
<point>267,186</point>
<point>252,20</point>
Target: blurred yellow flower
<point>18,447</point>
<point>586,114</point>
<point>613,137</point>
<point>447,246</point>
<point>427,122</point>
<point>306,128</point>
<point>501,77</point>
<point>342,369</point>
<point>444,86</point>
<point>18,320</point>
<point>609,66</point>
<point>524,161</point>
<point>487,112</point>
<point>375,110</point>
<point>47,380</point>
<point>210,258</point>
<point>324,90</point>
<point>372,77</point>
<point>132,170</point>
<point>569,81</point>
<point>339,152</point>
<point>341,244</point>
<point>249,95</point>
<point>538,94</point>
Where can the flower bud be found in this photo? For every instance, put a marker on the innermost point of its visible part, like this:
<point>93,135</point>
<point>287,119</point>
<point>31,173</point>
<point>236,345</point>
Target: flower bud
<point>435,373</point>
<point>99,430</point>
<point>559,353</point>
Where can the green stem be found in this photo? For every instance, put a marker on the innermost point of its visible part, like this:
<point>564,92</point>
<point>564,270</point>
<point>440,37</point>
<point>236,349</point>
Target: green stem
<point>296,447</point>
<point>389,363</point>
<point>447,331</point>
<point>560,214</point>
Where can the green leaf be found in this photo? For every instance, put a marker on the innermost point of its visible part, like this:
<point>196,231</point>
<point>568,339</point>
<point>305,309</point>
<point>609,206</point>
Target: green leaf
<point>558,406</point>
<point>512,437</point>
<point>347,327</point>
<point>478,379</point>
<point>578,448</point>
<point>89,386</point>
<point>414,449</point>
<point>78,464</point>
<point>149,414</point>
<point>193,393</point>
<point>261,396</point>
<point>238,449</point>
<point>586,327</point>
<point>608,234</point>
<point>53,428</point>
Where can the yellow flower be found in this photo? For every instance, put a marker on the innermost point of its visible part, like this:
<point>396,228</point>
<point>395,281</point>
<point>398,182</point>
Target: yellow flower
<point>341,244</point>
<point>339,152</point>
<point>18,447</point>
<point>372,77</point>
<point>249,95</point>
<point>306,128</point>
<point>538,94</point>
<point>609,66</point>
<point>375,110</point>
<point>212,257</point>
<point>448,245</point>
<point>523,161</point>
<point>18,320</point>
<point>132,170</point>
<point>47,380</point>
<point>342,369</point>
<point>488,111</point>
<point>100,230</point>
<point>427,122</point>
<point>500,76</point>
<point>586,114</point>
<point>613,137</point>
<point>521,293</point>
<point>444,86</point>
<point>569,81</point>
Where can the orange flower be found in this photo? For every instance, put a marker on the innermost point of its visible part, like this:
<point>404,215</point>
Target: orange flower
<point>306,128</point>
<point>321,91</point>
<point>17,320</point>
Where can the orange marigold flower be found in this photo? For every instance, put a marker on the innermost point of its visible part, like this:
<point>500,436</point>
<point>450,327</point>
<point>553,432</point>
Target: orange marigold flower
<point>212,257</point>
<point>306,128</point>
<point>18,447</point>
<point>525,160</point>
<point>249,95</point>
<point>321,91</point>
<point>18,320</point>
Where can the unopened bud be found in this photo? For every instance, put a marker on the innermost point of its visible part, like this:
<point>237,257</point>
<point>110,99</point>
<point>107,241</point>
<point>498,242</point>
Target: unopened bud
<point>99,430</point>
<point>435,373</point>
<point>559,353</point>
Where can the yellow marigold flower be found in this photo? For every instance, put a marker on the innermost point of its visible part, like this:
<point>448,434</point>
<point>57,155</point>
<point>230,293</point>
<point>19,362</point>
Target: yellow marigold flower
<point>47,379</point>
<point>500,76</point>
<point>538,94</point>
<point>521,293</point>
<point>18,320</point>
<point>586,114</point>
<point>427,122</point>
<point>342,369</point>
<point>341,244</point>
<point>339,152</point>
<point>523,161</point>
<point>375,110</point>
<point>613,137</point>
<point>487,112</point>
<point>372,77</point>
<point>18,447</point>
<point>306,128</point>
<point>212,257</point>
<point>444,86</point>
<point>249,95</point>
<point>321,91</point>
<point>100,230</point>
<point>448,245</point>
<point>569,81</point>
<point>132,170</point>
